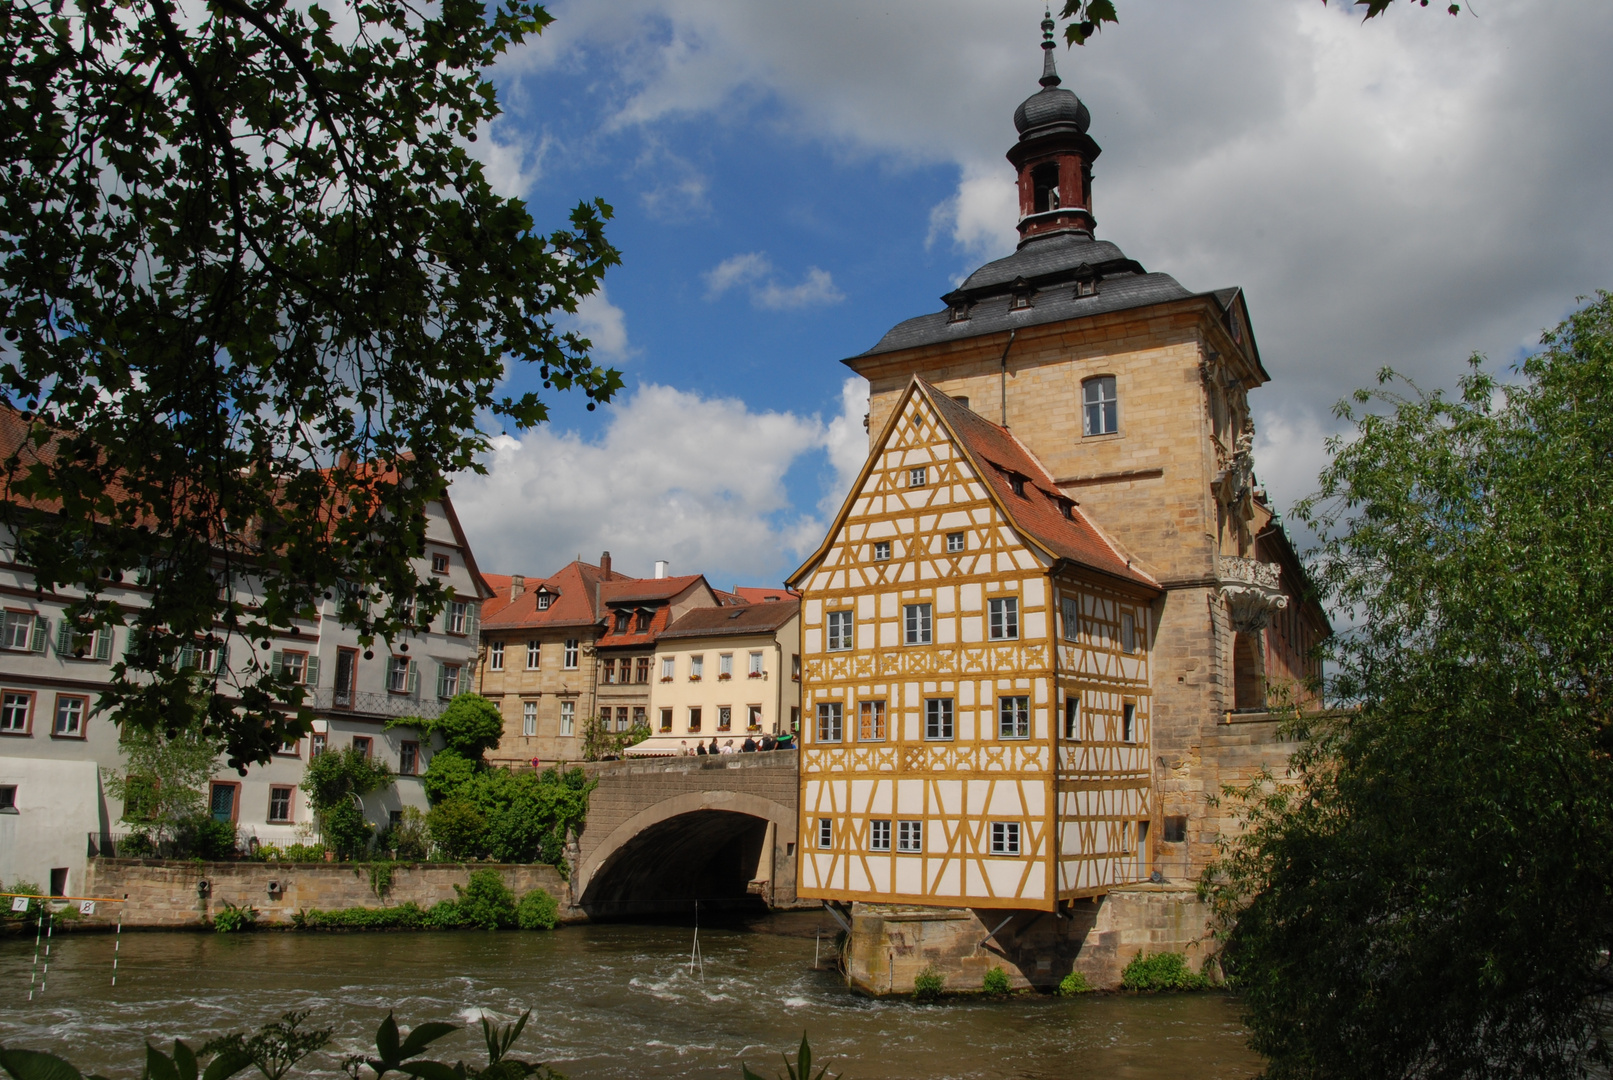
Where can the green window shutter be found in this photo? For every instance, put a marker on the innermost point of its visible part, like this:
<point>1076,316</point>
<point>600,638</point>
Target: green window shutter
<point>414,679</point>
<point>103,643</point>
<point>41,633</point>
<point>64,638</point>
<point>223,663</point>
<point>473,622</point>
<point>442,680</point>
<point>277,662</point>
<point>311,676</point>
<point>187,656</point>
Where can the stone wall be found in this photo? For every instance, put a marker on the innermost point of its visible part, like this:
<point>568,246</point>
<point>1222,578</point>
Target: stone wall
<point>170,894</point>
<point>890,945</point>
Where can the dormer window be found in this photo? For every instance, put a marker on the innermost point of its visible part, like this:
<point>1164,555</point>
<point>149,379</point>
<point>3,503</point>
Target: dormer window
<point>1087,287</point>
<point>1067,508</point>
<point>1020,302</point>
<point>644,616</point>
<point>1017,482</point>
<point>958,312</point>
<point>544,599</point>
<point>622,618</point>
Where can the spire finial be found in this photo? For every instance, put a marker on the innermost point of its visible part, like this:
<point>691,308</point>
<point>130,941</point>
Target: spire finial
<point>1050,74</point>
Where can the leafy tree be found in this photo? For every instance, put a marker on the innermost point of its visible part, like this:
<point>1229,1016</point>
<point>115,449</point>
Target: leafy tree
<point>458,829</point>
<point>470,726</point>
<point>254,295</point>
<point>1083,18</point>
<point>336,782</point>
<point>446,773</point>
<point>1430,894</point>
<point>165,778</point>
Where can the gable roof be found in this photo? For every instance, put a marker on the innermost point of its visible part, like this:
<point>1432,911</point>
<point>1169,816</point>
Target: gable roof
<point>1043,515</point>
<point>751,594</point>
<point>621,591</point>
<point>575,587</point>
<point>765,618</point>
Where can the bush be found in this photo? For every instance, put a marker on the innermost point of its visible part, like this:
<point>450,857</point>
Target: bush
<point>1161,971</point>
<point>929,983</point>
<point>408,916</point>
<point>445,915</point>
<point>447,774</point>
<point>21,886</point>
<point>458,829</point>
<point>1074,983</point>
<point>469,726</point>
<point>537,911</point>
<point>345,831</point>
<point>234,919</point>
<point>201,837</point>
<point>290,853</point>
<point>995,982</point>
<point>408,840</point>
<point>486,901</point>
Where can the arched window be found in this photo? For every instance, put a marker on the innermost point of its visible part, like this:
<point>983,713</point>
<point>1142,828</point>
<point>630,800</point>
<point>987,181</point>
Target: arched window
<point>1248,671</point>
<point>1100,407</point>
<point>1045,182</point>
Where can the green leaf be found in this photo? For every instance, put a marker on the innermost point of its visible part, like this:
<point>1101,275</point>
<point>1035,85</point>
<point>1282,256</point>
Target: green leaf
<point>422,1036</point>
<point>159,1066</point>
<point>34,1065</point>
<point>227,1064</point>
<point>184,1061</point>
<point>432,1070</point>
<point>386,1041</point>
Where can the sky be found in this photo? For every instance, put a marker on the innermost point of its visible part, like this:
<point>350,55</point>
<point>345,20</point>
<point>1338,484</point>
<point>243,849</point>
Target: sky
<point>791,180</point>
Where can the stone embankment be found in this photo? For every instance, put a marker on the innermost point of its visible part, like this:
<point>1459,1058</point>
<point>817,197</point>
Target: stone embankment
<point>175,894</point>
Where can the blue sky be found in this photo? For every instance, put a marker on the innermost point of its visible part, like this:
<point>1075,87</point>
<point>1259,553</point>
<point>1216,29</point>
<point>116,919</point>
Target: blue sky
<point>791,180</point>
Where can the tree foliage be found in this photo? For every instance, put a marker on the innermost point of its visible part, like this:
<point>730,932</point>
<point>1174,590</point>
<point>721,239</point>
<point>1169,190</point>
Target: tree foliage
<point>470,726</point>
<point>509,816</point>
<point>336,782</point>
<point>1430,894</point>
<point>1084,18</point>
<point>165,777</point>
<point>255,293</point>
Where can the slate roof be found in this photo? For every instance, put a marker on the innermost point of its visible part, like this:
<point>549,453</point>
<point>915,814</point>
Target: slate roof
<point>725,621</point>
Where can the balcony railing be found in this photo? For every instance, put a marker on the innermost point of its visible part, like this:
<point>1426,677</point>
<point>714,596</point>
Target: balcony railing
<point>370,703</point>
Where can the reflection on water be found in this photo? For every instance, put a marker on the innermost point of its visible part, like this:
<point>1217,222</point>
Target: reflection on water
<point>606,1001</point>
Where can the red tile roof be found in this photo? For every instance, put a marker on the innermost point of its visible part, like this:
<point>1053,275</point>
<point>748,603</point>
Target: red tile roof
<point>778,593</point>
<point>631,590</point>
<point>574,588</point>
<point>722,621</point>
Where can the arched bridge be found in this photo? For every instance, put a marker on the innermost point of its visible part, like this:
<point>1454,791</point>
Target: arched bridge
<point>665,832</point>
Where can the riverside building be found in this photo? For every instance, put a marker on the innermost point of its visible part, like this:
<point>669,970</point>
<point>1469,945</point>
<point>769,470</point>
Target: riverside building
<point>1044,626</point>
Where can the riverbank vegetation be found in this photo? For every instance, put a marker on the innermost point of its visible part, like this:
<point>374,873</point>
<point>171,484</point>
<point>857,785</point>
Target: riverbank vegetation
<point>1430,893</point>
<point>484,902</point>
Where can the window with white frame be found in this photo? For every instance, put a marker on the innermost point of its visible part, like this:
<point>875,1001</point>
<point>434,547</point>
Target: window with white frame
<point>397,674</point>
<point>725,718</point>
<point>879,835</point>
<point>447,680</point>
<point>495,656</point>
<point>70,712</point>
<point>666,719</point>
<point>1100,407</point>
<point>910,836</point>
<point>23,631</point>
<point>1072,618</point>
<point>1004,618</point>
<point>826,832</point>
<point>1014,717</point>
<point>938,718</point>
<point>544,600</point>
<point>1005,838</point>
<point>755,665</point>
<point>697,667</point>
<point>954,542</point>
<point>753,718</point>
<point>882,550</point>
<point>839,631</point>
<point>529,718</point>
<point>917,477</point>
<point>668,666</point>
<point>280,804</point>
<point>916,624</point>
<point>534,654</point>
<point>568,717</point>
<point>571,654</point>
<point>14,709</point>
<point>725,665</point>
<point>830,721</point>
<point>458,617</point>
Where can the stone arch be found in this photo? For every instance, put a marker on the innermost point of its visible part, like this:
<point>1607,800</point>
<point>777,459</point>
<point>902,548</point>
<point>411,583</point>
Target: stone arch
<point>698,845</point>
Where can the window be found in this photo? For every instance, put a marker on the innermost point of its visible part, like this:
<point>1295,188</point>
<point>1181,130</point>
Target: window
<point>640,718</point>
<point>725,717</point>
<point>221,802</point>
<point>447,680</point>
<point>916,478</point>
<point>8,798</point>
<point>622,619</point>
<point>756,671</point>
<point>668,666</point>
<point>954,542</point>
<point>795,719</point>
<point>1020,301</point>
<point>529,718</point>
<point>1128,632</point>
<point>697,668</point>
<point>346,677</point>
<point>94,645</point>
<point>795,667</point>
<point>641,670</point>
<point>1175,829</point>
<point>621,718</point>
<point>1005,838</point>
<point>829,721</point>
<point>882,550</point>
<point>1072,619</point>
<point>571,655</point>
<point>316,745</point>
<point>1014,718</point>
<point>1072,716</point>
<point>534,654</point>
<point>280,804</point>
<point>458,618</point>
<point>644,617</point>
<point>401,675</point>
<point>294,665</point>
<point>610,671</point>
<point>1100,408</point>
<point>1004,618</point>
<point>938,718</point>
<point>917,624</point>
<point>14,712</point>
<point>879,835</point>
<point>1128,722</point>
<point>24,631</point>
<point>910,836</point>
<point>871,721</point>
<point>753,718</point>
<point>291,749</point>
<point>495,656</point>
<point>568,717</point>
<point>70,717</point>
<point>666,719</point>
<point>544,600</point>
<point>957,313</point>
<point>58,881</point>
<point>725,666</point>
<point>439,563</point>
<point>826,832</point>
<point>694,718</point>
<point>408,758</point>
<point>839,631</point>
<point>364,745</point>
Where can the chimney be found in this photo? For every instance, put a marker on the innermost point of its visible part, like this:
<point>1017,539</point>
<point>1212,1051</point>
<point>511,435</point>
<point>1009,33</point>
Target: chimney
<point>604,564</point>
<point>660,568</point>
<point>517,585</point>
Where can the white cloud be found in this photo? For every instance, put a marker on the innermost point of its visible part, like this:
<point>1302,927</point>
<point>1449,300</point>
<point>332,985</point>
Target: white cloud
<point>697,481</point>
<point>511,157</point>
<point>846,441</point>
<point>736,270</point>
<point>604,324</point>
<point>817,288</point>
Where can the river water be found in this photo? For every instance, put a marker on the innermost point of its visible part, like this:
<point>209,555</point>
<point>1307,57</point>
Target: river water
<point>606,1000</point>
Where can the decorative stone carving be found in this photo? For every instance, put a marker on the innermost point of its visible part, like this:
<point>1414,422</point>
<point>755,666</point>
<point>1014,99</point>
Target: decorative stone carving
<point>1253,591</point>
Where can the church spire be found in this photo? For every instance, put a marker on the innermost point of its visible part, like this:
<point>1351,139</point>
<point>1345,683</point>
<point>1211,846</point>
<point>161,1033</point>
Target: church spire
<point>1050,74</point>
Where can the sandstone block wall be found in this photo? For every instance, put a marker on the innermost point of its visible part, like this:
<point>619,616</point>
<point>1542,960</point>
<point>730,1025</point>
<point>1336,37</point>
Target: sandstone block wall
<point>168,893</point>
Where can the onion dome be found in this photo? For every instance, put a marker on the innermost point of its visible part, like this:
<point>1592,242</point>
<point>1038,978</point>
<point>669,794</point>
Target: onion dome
<point>1052,105</point>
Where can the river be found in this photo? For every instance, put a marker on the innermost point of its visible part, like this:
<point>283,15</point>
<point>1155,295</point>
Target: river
<point>606,1000</point>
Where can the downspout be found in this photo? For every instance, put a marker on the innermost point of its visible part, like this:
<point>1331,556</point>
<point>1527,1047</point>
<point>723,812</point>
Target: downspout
<point>1003,374</point>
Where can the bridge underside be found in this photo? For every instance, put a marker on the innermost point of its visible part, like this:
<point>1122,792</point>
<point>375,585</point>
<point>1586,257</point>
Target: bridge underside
<point>705,855</point>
